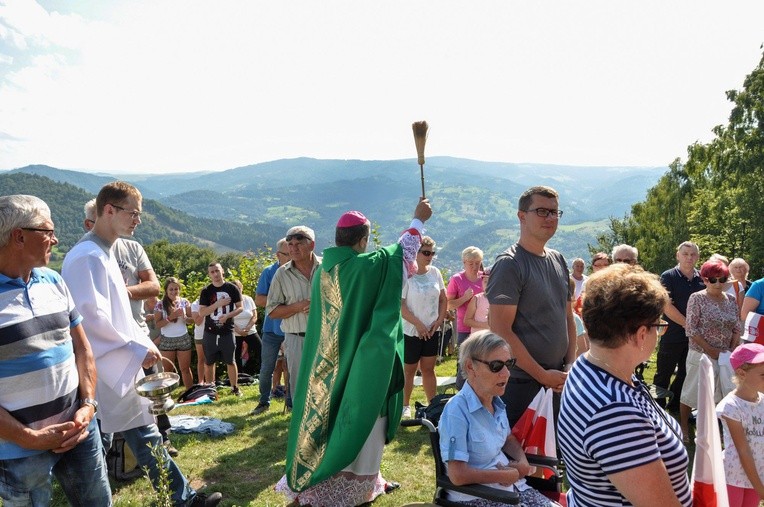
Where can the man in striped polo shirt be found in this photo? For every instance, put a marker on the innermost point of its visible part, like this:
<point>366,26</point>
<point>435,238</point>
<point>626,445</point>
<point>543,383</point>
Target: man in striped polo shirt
<point>47,371</point>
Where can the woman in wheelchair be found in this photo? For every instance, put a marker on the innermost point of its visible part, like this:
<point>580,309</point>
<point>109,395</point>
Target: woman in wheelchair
<point>475,437</point>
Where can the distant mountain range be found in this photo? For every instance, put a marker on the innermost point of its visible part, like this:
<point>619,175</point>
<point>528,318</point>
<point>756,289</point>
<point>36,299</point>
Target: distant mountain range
<point>247,207</point>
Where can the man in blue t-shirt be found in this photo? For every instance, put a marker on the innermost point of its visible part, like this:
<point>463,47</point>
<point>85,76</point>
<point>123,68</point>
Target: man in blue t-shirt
<point>680,282</point>
<point>273,336</point>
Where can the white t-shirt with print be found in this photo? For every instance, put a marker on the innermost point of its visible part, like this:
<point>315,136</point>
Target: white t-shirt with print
<point>751,415</point>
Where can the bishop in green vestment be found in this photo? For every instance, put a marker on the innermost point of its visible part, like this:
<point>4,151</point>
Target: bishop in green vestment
<point>348,400</point>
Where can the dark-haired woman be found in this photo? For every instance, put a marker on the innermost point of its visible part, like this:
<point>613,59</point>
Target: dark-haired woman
<point>619,446</point>
<point>171,315</point>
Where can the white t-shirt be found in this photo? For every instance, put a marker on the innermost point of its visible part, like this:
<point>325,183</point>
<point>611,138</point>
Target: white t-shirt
<point>198,329</point>
<point>177,328</point>
<point>249,309</point>
<point>751,415</point>
<point>579,285</point>
<point>422,295</point>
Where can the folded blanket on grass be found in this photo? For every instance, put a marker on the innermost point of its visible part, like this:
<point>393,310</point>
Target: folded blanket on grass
<point>200,424</point>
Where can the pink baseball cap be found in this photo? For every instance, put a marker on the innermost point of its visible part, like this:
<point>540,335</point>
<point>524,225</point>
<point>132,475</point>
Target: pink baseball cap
<point>351,219</point>
<point>749,353</point>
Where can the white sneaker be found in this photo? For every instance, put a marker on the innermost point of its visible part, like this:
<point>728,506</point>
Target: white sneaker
<point>406,411</point>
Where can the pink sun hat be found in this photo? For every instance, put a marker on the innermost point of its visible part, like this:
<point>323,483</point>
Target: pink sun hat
<point>748,353</point>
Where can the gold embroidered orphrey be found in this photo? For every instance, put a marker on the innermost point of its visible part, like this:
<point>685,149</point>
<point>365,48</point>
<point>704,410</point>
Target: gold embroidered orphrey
<point>312,436</point>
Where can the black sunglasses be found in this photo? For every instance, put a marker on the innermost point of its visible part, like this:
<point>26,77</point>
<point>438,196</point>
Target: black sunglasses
<point>426,253</point>
<point>713,279</point>
<point>298,237</point>
<point>495,366</point>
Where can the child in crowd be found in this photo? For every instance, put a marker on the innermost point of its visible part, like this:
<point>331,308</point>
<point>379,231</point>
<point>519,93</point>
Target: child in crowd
<point>742,414</point>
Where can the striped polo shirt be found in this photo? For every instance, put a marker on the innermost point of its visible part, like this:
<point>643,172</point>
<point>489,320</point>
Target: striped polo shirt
<point>606,426</point>
<point>38,375</point>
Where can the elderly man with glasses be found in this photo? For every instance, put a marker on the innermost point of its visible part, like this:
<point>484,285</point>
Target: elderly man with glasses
<point>626,254</point>
<point>289,295</point>
<point>47,371</point>
<point>530,305</point>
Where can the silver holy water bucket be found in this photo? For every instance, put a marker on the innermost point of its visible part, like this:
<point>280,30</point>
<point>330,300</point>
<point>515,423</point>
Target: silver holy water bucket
<point>157,387</point>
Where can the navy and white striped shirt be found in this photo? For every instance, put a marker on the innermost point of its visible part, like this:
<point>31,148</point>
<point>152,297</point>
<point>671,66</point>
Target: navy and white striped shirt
<point>606,426</point>
<point>38,375</point>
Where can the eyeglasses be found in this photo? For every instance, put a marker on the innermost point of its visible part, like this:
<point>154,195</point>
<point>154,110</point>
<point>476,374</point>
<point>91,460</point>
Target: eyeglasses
<point>495,366</point>
<point>660,327</point>
<point>427,253</point>
<point>135,215</point>
<point>298,236</point>
<point>545,212</point>
<point>626,261</point>
<point>713,279</point>
<point>50,233</point>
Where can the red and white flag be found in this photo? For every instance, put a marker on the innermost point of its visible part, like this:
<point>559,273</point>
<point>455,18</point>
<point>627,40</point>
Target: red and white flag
<point>535,428</point>
<point>709,486</point>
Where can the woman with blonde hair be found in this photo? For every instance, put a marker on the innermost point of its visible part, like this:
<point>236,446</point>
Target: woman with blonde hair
<point>462,286</point>
<point>423,307</point>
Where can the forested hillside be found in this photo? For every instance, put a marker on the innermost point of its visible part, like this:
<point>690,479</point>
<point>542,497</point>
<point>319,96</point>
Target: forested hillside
<point>714,198</point>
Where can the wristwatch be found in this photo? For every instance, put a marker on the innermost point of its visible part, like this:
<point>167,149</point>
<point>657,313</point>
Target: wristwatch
<point>90,401</point>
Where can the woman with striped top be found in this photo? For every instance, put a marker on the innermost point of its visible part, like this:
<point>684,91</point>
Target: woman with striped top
<point>619,446</point>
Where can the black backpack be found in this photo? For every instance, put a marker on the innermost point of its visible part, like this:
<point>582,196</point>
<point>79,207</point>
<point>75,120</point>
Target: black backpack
<point>196,391</point>
<point>433,411</point>
<point>121,462</point>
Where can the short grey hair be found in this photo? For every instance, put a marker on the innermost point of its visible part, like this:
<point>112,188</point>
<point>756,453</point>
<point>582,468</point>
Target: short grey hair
<point>479,344</point>
<point>90,210</point>
<point>19,211</point>
<point>737,261</point>
<point>281,243</point>
<point>625,248</point>
<point>688,244</point>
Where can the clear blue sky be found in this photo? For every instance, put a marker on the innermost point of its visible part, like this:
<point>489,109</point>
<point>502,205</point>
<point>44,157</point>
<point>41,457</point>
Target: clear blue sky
<point>171,86</point>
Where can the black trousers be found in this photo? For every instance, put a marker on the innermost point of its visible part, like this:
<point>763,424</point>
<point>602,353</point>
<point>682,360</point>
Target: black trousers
<point>671,356</point>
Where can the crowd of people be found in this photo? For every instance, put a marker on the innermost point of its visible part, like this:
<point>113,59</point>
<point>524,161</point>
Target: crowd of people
<point>349,331</point>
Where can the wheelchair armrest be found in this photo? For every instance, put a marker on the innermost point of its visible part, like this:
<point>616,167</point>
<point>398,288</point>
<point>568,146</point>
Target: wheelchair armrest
<point>481,491</point>
<point>542,461</point>
<point>419,422</point>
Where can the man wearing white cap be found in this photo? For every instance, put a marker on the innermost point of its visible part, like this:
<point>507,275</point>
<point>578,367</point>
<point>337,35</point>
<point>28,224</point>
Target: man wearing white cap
<point>348,400</point>
<point>289,295</point>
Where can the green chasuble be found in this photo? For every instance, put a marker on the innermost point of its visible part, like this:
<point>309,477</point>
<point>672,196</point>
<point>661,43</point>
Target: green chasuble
<point>352,362</point>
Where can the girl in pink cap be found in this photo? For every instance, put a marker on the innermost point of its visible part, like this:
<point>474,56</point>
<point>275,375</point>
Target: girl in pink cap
<point>742,414</point>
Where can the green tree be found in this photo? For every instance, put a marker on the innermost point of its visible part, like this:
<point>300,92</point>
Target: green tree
<point>713,199</point>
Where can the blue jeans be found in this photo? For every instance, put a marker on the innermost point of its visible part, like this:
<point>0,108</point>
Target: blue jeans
<point>270,352</point>
<point>81,472</point>
<point>141,440</point>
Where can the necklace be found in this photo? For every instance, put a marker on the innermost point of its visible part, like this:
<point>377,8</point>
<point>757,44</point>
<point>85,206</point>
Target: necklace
<point>611,368</point>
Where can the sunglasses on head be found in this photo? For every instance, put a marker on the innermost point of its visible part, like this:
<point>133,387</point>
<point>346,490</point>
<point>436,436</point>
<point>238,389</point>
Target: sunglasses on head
<point>713,279</point>
<point>298,236</point>
<point>427,253</point>
<point>495,366</point>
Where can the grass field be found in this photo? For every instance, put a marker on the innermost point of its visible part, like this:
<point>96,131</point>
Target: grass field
<point>246,465</point>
